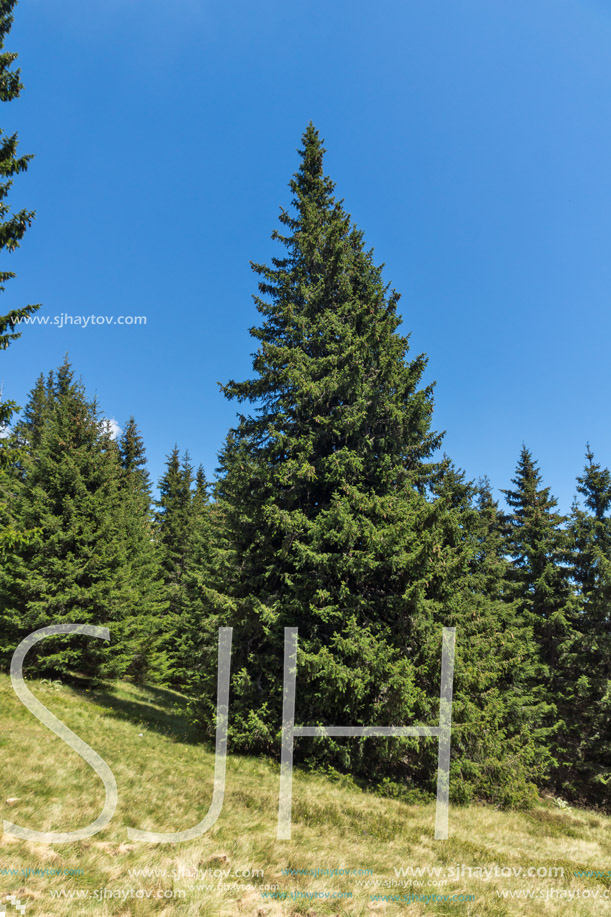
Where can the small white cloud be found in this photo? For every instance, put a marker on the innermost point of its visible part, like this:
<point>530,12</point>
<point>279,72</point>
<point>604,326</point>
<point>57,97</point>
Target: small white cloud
<point>113,427</point>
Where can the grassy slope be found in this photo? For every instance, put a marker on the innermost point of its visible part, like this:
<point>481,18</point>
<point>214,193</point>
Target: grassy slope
<point>165,782</point>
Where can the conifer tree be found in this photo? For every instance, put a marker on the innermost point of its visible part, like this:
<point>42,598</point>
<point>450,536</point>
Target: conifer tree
<point>323,483</point>
<point>68,489</point>
<point>584,742</point>
<point>173,515</point>
<point>12,447</point>
<point>36,411</point>
<point>199,577</point>
<point>143,637</point>
<point>133,459</point>
<point>536,542</point>
<point>12,225</point>
<point>500,743</point>
<point>12,230</point>
<point>174,527</point>
<point>520,754</point>
<point>336,518</point>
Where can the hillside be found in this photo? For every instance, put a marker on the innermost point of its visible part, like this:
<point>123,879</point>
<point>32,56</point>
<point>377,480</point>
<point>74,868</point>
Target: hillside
<point>383,847</point>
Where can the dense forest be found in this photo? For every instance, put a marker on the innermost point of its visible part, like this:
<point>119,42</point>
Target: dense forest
<point>333,510</point>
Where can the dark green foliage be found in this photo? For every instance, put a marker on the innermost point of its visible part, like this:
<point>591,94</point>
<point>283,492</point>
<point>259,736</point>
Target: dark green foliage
<point>12,533</point>
<point>12,225</point>
<point>521,753</point>
<point>337,521</point>
<point>12,229</point>
<point>204,558</point>
<point>584,744</point>
<point>173,517</point>
<point>36,411</point>
<point>174,523</point>
<point>536,542</point>
<point>190,537</point>
<point>322,487</point>
<point>67,484</point>
<point>499,743</point>
<point>144,626</point>
<point>133,461</point>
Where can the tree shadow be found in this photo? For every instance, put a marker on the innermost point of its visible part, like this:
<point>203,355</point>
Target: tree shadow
<point>159,709</point>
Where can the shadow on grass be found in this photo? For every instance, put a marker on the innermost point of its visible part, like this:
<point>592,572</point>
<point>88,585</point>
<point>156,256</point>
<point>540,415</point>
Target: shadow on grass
<point>159,709</point>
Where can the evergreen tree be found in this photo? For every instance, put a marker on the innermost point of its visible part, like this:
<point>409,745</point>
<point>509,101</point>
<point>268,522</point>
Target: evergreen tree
<point>12,225</point>
<point>143,637</point>
<point>133,459</point>
<point>174,526</point>
<point>536,542</point>
<point>202,495</point>
<point>492,564</point>
<point>335,516</point>
<point>173,516</point>
<point>520,753</point>
<point>12,229</point>
<point>68,489</point>
<point>584,743</point>
<point>199,577</point>
<point>31,426</point>
<point>27,435</point>
<point>500,743</point>
<point>323,485</point>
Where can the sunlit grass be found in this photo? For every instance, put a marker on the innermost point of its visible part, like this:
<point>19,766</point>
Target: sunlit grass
<point>165,784</point>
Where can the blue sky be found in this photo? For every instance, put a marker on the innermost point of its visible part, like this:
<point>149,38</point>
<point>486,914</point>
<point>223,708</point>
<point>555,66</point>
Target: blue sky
<point>470,140</point>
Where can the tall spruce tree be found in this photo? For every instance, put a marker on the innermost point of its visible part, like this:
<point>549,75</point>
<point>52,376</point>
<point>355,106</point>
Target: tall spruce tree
<point>32,424</point>
<point>143,638</point>
<point>12,450</point>
<point>500,742</point>
<point>174,527</point>
<point>12,225</point>
<point>173,515</point>
<point>67,487</point>
<point>336,518</point>
<point>519,754</point>
<point>584,742</point>
<point>12,230</point>
<point>536,542</point>
<point>200,574</point>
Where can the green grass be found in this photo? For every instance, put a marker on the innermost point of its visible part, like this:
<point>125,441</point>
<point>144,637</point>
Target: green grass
<point>165,784</point>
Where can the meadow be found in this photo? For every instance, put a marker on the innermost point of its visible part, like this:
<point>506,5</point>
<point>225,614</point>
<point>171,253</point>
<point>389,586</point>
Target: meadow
<point>345,842</point>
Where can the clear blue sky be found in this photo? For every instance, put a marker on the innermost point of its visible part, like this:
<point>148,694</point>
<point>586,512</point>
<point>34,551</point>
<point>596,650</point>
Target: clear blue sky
<point>470,139</point>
